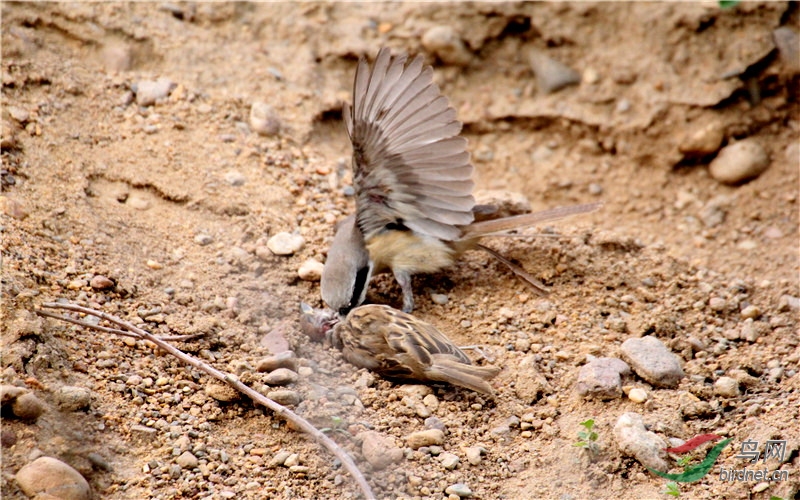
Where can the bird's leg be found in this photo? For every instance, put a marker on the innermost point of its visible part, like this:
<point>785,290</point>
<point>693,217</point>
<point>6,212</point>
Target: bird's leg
<point>404,280</point>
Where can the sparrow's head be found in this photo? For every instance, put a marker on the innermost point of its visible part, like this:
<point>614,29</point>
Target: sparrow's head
<point>317,323</point>
<point>347,270</point>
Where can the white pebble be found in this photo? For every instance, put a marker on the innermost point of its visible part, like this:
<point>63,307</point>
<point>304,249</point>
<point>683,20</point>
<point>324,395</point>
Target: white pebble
<point>726,387</point>
<point>310,270</point>
<point>637,395</point>
<point>285,243</point>
<point>264,120</point>
<point>739,162</point>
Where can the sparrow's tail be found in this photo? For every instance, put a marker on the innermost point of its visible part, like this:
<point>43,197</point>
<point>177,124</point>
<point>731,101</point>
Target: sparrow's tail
<point>446,368</point>
<point>489,227</point>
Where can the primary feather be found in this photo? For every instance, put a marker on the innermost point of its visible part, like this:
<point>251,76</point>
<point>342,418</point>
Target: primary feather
<point>410,166</point>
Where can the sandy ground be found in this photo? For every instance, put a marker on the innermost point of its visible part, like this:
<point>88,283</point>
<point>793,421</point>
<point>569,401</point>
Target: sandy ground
<point>174,201</point>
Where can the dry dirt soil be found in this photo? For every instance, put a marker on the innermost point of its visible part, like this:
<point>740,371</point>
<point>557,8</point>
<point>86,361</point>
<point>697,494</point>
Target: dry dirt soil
<point>174,201</point>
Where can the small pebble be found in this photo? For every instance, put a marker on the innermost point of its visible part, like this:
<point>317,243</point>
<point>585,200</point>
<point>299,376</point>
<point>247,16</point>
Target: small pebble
<point>221,392</point>
<point>27,406</point>
<point>637,395</point>
<point>788,303</point>
<point>380,451</point>
<point>285,397</point>
<point>203,239</point>
<point>551,75</point>
<point>653,361</point>
<point>154,264</point>
<point>264,120</point>
<point>12,208</point>
<point>439,298</point>
<point>717,304</point>
<point>601,378</point>
<point>310,270</point>
<point>285,359</point>
<point>70,398</point>
<point>595,189</point>
<point>148,91</point>
<point>444,41</point>
<point>727,387</point>
<point>434,423</point>
<point>19,114</point>
<point>427,437</point>
<point>703,141</point>
<point>100,282</point>
<point>459,489</point>
<point>47,477</point>
<point>449,461</point>
<point>187,460</point>
<point>281,376</point>
<point>739,162</point>
<point>280,458</point>
<point>474,454</point>
<point>285,243</point>
<point>292,460</point>
<point>750,312</point>
<point>235,178</point>
<point>591,76</point>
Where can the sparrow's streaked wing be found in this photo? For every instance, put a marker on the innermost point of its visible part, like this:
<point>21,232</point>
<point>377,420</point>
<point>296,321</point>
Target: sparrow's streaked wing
<point>396,345</point>
<point>411,168</point>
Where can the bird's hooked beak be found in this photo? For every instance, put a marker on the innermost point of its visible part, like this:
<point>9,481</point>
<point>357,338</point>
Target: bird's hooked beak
<point>317,323</point>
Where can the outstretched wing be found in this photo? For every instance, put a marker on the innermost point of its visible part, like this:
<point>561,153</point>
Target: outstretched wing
<point>411,168</point>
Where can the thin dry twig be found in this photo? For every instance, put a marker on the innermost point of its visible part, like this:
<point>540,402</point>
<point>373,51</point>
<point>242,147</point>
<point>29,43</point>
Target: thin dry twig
<point>129,329</point>
<point>122,333</point>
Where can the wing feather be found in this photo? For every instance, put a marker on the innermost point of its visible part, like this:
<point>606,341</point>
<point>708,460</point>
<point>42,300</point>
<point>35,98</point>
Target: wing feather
<point>409,162</point>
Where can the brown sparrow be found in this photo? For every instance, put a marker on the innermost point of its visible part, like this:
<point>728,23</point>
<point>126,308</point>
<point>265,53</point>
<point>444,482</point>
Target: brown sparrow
<point>413,182</point>
<point>396,345</point>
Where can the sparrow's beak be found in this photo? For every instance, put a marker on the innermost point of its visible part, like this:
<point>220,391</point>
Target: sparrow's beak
<point>316,323</point>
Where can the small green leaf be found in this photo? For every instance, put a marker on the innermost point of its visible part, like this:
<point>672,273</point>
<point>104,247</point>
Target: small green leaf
<point>728,4</point>
<point>672,489</point>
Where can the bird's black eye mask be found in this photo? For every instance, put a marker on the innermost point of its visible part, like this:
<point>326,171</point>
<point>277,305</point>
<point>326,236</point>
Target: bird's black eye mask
<point>359,288</point>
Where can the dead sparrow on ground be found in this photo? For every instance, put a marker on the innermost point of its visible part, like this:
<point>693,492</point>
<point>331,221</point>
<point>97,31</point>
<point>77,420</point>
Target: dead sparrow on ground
<point>413,183</point>
<point>397,346</point>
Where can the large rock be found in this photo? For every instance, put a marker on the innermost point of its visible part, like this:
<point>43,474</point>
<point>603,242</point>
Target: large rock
<point>50,476</point>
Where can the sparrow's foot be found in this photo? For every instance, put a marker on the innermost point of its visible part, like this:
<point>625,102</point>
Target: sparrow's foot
<point>404,280</point>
